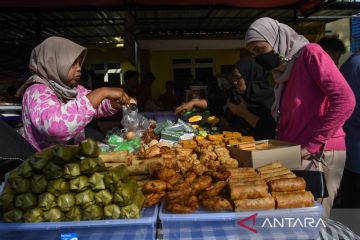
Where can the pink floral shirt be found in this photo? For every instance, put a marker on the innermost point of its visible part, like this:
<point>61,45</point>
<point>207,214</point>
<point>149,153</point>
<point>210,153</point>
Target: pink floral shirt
<point>48,121</point>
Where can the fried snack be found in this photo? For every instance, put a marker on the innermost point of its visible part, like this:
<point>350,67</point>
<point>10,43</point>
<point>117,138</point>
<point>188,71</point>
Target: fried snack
<point>191,144</point>
<point>243,179</point>
<point>254,204</point>
<point>244,174</point>
<point>241,170</point>
<point>247,139</point>
<point>233,142</point>
<point>153,151</point>
<point>218,175</point>
<point>229,162</point>
<point>155,186</point>
<point>215,137</point>
<point>293,199</point>
<point>246,145</point>
<point>152,199</point>
<point>200,184</point>
<point>189,206</point>
<point>183,151</point>
<point>273,170</point>
<point>243,183</point>
<point>275,174</point>
<point>287,185</point>
<point>289,175</point>
<point>169,175</point>
<point>216,203</point>
<point>179,195</point>
<point>213,190</point>
<point>199,169</point>
<point>269,166</point>
<point>262,146</point>
<point>199,138</point>
<point>248,191</point>
<point>165,150</point>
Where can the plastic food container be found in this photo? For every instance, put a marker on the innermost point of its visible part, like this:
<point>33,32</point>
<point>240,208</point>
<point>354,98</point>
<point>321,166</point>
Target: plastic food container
<point>127,229</point>
<point>297,223</point>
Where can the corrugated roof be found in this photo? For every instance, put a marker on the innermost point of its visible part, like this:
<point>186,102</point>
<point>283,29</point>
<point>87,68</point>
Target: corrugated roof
<point>102,25</point>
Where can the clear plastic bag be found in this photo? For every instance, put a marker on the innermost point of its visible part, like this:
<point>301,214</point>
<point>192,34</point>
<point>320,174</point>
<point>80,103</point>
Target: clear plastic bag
<point>134,122</point>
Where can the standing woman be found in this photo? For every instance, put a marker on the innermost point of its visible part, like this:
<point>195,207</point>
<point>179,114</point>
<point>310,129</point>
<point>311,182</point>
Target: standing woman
<point>55,108</point>
<point>312,98</point>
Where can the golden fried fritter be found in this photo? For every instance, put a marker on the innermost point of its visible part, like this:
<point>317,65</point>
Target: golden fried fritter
<point>200,184</point>
<point>213,190</point>
<point>170,175</point>
<point>152,199</point>
<point>216,204</point>
<point>187,206</point>
<point>218,175</point>
<point>155,186</point>
<point>179,195</point>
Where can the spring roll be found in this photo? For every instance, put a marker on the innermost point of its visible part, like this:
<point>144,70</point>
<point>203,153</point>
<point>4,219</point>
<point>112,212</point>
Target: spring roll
<point>266,171</point>
<point>240,170</point>
<point>287,185</point>
<point>269,166</point>
<point>248,179</point>
<point>288,175</point>
<point>293,199</point>
<point>275,174</point>
<point>248,191</point>
<point>243,183</point>
<point>254,204</point>
<point>245,174</point>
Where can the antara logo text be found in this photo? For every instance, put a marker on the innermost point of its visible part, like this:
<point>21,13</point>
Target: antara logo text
<point>283,222</point>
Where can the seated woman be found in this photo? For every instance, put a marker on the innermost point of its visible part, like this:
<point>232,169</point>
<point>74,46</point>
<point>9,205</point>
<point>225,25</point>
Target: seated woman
<point>56,109</point>
<point>246,105</point>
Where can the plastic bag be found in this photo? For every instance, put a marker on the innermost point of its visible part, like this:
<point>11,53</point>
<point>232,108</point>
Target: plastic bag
<point>134,122</point>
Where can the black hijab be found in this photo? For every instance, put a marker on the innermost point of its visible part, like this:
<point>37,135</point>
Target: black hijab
<point>258,90</point>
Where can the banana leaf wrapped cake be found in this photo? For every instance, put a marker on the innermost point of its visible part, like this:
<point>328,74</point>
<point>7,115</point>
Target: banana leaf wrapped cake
<point>69,183</point>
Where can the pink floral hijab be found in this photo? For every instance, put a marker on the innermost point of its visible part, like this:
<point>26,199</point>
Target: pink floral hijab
<point>50,63</point>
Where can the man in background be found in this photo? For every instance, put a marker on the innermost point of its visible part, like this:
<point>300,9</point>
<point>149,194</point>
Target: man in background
<point>333,46</point>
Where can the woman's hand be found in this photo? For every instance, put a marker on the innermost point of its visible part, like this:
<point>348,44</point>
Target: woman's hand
<point>117,94</point>
<point>240,110</point>
<point>185,107</point>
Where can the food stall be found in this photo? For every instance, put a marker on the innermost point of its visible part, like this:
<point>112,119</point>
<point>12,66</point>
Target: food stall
<point>173,178</point>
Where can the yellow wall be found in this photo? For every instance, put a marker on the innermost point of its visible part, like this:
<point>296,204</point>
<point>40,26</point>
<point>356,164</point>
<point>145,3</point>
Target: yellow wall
<point>107,55</point>
<point>161,63</point>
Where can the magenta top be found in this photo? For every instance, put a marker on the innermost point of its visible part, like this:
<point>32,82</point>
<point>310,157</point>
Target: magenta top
<point>48,121</point>
<point>315,103</point>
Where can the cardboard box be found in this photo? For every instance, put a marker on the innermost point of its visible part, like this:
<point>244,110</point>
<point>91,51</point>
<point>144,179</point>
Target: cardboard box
<point>288,154</point>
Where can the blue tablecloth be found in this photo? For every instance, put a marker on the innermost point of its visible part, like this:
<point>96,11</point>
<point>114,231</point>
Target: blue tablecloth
<point>332,230</point>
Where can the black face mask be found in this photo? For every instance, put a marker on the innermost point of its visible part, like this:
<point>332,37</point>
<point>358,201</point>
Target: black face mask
<point>269,60</point>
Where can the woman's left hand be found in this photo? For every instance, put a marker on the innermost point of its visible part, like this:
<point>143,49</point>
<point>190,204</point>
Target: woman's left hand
<point>240,110</point>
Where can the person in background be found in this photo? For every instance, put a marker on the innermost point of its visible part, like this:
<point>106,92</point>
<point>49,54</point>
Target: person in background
<point>55,108</point>
<point>168,101</point>
<point>131,80</point>
<point>245,105</point>
<point>350,186</point>
<point>312,98</point>
<point>333,46</point>
<point>144,92</point>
